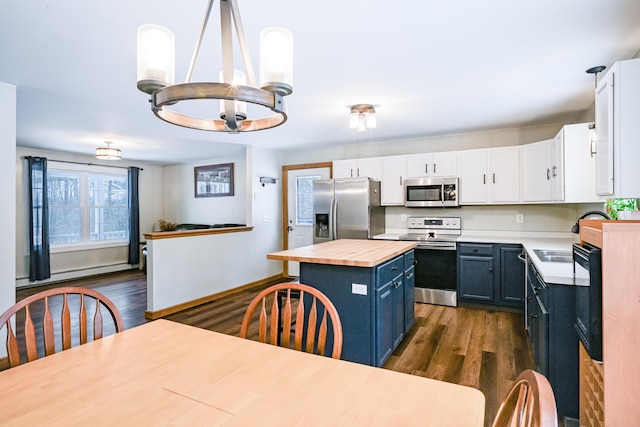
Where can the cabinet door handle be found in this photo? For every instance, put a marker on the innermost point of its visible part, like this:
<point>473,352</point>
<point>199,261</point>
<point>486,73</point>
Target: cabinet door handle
<point>555,171</point>
<point>484,178</point>
<point>426,168</point>
<point>351,172</point>
<point>434,168</point>
<point>592,149</point>
<point>400,181</point>
<point>494,177</point>
<point>394,268</point>
<point>548,174</point>
<point>358,171</point>
<point>490,269</point>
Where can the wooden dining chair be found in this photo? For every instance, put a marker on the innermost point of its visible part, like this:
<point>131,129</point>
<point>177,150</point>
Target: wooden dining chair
<point>39,341</point>
<point>529,403</point>
<point>297,308</point>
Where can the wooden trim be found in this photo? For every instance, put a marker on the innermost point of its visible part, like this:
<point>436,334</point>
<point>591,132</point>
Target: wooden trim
<point>153,315</point>
<point>285,201</point>
<point>190,233</point>
<point>591,229</point>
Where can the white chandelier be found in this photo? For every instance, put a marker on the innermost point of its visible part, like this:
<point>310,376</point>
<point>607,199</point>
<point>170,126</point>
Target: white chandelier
<point>156,75</point>
<point>108,152</point>
<point>362,117</point>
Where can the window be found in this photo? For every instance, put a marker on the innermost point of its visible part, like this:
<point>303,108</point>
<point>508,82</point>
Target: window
<point>304,199</point>
<point>87,206</point>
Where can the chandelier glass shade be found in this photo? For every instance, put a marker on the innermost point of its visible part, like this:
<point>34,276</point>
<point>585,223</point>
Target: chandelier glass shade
<point>156,65</point>
<point>362,117</point>
<point>108,152</point>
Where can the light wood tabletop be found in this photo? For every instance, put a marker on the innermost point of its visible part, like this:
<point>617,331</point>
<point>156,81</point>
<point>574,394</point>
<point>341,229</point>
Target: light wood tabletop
<point>350,252</point>
<point>167,373</point>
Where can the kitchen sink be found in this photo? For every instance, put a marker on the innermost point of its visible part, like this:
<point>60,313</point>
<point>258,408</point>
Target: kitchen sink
<point>546,255</point>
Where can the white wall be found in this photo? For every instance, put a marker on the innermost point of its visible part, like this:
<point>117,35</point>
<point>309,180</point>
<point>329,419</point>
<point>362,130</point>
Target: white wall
<point>266,203</point>
<point>558,217</point>
<point>188,268</point>
<point>7,199</point>
<point>72,264</point>
<point>453,142</point>
<point>181,205</point>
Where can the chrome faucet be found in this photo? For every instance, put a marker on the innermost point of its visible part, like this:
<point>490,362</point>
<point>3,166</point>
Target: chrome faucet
<point>576,226</point>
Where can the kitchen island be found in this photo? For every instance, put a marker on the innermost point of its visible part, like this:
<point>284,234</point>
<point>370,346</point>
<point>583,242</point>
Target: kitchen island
<point>371,284</point>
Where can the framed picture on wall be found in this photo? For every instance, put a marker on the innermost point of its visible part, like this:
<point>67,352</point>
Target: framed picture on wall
<point>213,180</point>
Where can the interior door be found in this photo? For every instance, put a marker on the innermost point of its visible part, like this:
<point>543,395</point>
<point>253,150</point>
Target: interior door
<point>300,209</point>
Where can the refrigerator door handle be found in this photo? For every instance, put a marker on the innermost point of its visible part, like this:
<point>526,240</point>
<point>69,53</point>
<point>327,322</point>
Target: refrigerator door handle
<point>334,219</point>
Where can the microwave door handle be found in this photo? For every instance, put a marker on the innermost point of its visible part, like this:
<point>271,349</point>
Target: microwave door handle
<point>442,193</point>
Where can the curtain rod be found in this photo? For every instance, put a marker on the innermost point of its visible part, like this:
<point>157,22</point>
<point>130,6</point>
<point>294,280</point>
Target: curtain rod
<point>79,163</point>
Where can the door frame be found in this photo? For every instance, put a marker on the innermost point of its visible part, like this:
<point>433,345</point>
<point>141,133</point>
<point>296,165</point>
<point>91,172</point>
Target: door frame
<point>285,201</point>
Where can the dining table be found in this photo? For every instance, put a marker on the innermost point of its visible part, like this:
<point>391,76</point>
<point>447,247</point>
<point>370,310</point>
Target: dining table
<point>165,373</point>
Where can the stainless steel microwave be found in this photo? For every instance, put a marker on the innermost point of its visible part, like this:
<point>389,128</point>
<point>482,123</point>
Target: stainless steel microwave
<point>431,192</point>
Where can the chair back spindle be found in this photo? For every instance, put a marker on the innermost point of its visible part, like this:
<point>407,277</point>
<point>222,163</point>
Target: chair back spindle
<point>280,320</point>
<point>45,337</point>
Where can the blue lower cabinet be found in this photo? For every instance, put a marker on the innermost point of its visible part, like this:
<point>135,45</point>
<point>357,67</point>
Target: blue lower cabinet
<point>491,273</point>
<point>409,296</point>
<point>372,303</point>
<point>384,330</point>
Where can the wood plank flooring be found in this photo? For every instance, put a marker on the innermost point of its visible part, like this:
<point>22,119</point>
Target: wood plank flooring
<point>484,349</point>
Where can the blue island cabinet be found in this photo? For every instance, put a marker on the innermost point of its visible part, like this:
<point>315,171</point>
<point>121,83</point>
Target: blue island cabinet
<point>375,304</point>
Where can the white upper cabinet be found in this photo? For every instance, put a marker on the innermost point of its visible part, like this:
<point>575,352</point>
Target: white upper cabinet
<point>432,165</point>
<point>537,185</point>
<point>474,167</point>
<point>392,182</point>
<point>505,175</point>
<point>370,167</point>
<point>490,176</point>
<point>618,131</point>
<point>579,164</point>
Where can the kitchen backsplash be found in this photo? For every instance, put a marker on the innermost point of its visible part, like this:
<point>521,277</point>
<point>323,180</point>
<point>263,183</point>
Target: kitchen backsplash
<point>551,217</point>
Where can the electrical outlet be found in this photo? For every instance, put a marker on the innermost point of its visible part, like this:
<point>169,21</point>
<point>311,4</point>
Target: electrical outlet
<point>519,218</point>
<point>358,289</point>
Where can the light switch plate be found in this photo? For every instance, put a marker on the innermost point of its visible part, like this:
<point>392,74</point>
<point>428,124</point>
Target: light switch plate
<point>358,289</point>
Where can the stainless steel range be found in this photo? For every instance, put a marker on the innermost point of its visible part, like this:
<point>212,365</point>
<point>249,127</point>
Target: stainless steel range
<point>436,259</point>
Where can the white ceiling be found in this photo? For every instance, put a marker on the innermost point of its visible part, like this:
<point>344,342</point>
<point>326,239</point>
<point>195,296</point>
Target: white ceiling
<point>430,67</point>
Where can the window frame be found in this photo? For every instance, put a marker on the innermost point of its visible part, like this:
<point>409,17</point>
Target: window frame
<point>85,209</point>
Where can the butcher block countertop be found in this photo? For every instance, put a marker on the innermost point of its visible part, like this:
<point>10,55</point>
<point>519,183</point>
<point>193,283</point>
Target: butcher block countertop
<point>354,253</point>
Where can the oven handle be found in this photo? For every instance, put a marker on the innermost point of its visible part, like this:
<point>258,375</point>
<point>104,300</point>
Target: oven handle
<point>437,247</point>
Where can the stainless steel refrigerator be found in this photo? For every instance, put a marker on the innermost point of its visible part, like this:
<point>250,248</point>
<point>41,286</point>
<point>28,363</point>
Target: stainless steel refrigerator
<point>347,208</point>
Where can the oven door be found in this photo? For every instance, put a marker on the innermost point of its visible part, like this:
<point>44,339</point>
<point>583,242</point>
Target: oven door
<point>436,273</point>
<point>587,269</point>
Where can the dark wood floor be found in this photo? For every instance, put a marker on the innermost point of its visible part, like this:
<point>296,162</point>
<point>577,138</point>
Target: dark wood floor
<point>484,349</point>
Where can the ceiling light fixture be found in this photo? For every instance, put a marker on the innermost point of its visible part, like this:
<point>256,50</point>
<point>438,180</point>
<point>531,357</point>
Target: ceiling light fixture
<point>108,152</point>
<point>156,74</point>
<point>363,117</point>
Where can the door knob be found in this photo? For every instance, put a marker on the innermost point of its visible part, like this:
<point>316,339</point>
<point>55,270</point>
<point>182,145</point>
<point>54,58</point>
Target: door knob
<point>289,228</point>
